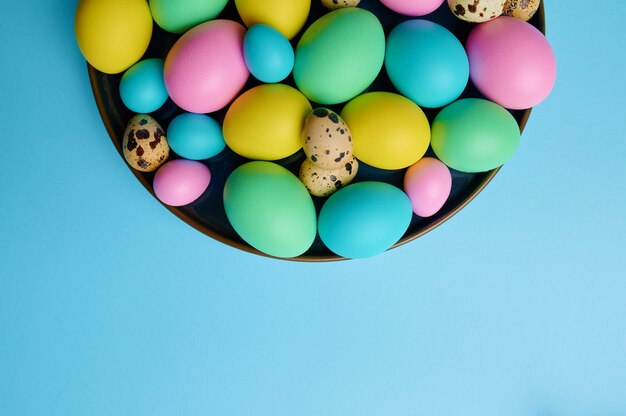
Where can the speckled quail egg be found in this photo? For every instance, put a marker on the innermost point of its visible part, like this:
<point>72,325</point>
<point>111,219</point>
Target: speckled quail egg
<point>145,145</point>
<point>338,4</point>
<point>321,182</point>
<point>476,11</point>
<point>326,139</point>
<point>521,9</point>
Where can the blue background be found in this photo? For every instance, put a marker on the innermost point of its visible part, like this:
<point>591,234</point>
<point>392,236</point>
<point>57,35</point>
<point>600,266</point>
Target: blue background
<point>109,305</point>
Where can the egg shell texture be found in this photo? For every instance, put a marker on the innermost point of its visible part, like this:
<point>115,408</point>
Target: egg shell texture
<point>177,16</point>
<point>476,11</point>
<point>205,69</point>
<point>322,182</point>
<point>364,219</point>
<point>474,135</point>
<point>288,17</point>
<point>142,88</point>
<point>270,209</point>
<point>511,62</point>
<point>428,184</point>
<point>326,139</point>
<point>426,63</point>
<point>268,54</point>
<point>521,9</point>
<point>113,34</point>
<point>265,122</point>
<point>338,4</point>
<point>389,131</point>
<point>339,55</point>
<point>181,182</point>
<point>413,7</point>
<point>145,146</point>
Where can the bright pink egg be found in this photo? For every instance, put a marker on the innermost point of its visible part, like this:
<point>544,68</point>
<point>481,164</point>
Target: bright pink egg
<point>181,181</point>
<point>511,62</point>
<point>413,7</point>
<point>428,184</point>
<point>205,69</point>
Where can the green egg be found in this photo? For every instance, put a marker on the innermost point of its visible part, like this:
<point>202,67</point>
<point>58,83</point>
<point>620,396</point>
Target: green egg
<point>339,56</point>
<point>178,16</point>
<point>270,209</point>
<point>474,135</point>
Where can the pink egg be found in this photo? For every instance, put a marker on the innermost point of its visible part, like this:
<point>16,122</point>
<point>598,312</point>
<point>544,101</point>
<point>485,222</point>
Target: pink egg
<point>181,181</point>
<point>413,7</point>
<point>205,68</point>
<point>428,184</point>
<point>511,62</point>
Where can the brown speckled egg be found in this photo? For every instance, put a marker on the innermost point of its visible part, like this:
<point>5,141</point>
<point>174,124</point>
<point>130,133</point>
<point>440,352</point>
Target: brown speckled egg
<point>476,11</point>
<point>338,4</point>
<point>321,182</point>
<point>521,9</point>
<point>326,139</point>
<point>145,145</point>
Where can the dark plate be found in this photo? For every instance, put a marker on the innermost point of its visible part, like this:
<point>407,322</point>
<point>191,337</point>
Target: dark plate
<point>207,213</point>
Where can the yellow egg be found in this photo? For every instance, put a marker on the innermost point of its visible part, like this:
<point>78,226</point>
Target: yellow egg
<point>389,131</point>
<point>288,17</point>
<point>265,123</point>
<point>113,34</point>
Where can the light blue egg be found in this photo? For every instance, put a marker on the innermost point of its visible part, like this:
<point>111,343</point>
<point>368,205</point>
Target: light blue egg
<point>142,87</point>
<point>195,136</point>
<point>268,54</point>
<point>364,219</point>
<point>426,63</point>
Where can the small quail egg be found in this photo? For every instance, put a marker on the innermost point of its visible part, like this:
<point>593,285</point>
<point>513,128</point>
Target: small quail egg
<point>145,146</point>
<point>476,11</point>
<point>326,139</point>
<point>521,9</point>
<point>337,4</point>
<point>320,182</point>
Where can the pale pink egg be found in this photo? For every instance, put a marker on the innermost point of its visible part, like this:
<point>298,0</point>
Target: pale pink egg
<point>205,69</point>
<point>181,181</point>
<point>428,184</point>
<point>413,7</point>
<point>511,62</point>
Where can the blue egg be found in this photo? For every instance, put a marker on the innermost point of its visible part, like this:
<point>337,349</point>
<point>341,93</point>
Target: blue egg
<point>195,136</point>
<point>142,87</point>
<point>364,219</point>
<point>426,63</point>
<point>268,54</point>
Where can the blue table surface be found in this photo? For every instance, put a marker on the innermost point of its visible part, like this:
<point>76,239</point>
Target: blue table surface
<point>109,305</point>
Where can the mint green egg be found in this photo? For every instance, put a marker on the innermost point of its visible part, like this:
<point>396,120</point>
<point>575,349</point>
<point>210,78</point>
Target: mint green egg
<point>270,209</point>
<point>178,16</point>
<point>474,135</point>
<point>339,56</point>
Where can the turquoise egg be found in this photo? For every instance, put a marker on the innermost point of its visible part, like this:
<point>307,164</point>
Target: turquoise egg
<point>268,54</point>
<point>474,135</point>
<point>142,87</point>
<point>426,63</point>
<point>270,209</point>
<point>339,56</point>
<point>364,219</point>
<point>195,136</point>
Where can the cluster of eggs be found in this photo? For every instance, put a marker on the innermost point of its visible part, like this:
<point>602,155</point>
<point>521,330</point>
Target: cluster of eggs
<point>508,60</point>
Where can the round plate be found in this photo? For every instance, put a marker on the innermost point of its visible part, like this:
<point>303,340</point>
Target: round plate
<point>207,213</point>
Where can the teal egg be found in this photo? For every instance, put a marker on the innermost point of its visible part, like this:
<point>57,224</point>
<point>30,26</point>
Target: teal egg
<point>142,87</point>
<point>426,63</point>
<point>474,135</point>
<point>270,209</point>
<point>195,136</point>
<point>268,54</point>
<point>339,56</point>
<point>364,219</point>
